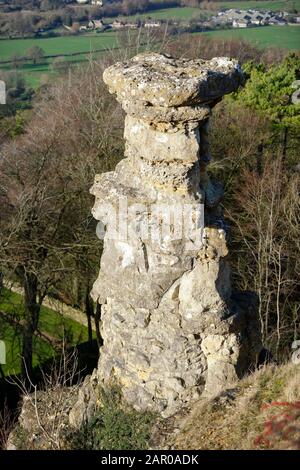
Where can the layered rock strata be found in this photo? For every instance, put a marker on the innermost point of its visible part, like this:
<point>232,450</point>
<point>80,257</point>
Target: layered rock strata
<point>171,325</point>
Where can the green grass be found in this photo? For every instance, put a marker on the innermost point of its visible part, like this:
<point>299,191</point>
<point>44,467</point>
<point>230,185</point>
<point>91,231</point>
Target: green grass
<point>272,5</point>
<point>31,73</point>
<point>176,13</point>
<point>59,45</point>
<point>286,37</point>
<point>85,44</point>
<point>42,350</point>
<point>51,322</point>
<point>34,74</point>
<point>188,13</point>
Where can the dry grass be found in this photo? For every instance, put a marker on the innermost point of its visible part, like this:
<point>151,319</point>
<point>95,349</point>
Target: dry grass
<point>240,419</point>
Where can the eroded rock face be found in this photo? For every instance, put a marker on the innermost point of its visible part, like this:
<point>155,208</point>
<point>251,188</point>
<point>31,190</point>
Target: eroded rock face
<point>158,80</point>
<point>172,328</point>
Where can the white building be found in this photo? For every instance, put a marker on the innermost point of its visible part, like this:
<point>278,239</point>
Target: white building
<point>95,24</point>
<point>152,24</point>
<point>118,24</point>
<point>240,23</point>
<point>132,25</point>
<point>258,20</point>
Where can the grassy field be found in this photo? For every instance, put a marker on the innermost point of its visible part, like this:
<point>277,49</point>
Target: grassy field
<point>272,5</point>
<point>287,37</point>
<point>52,323</point>
<point>34,74</point>
<point>84,45</point>
<point>58,45</point>
<point>176,13</point>
<point>188,13</point>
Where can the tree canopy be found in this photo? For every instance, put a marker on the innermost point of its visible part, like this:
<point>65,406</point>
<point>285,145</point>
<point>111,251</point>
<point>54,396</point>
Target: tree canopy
<point>270,90</point>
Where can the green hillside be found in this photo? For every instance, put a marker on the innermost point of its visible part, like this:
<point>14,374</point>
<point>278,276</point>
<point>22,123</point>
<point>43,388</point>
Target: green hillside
<point>286,37</point>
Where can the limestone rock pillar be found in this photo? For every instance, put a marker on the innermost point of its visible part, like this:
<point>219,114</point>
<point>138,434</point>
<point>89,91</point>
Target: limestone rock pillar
<point>171,326</point>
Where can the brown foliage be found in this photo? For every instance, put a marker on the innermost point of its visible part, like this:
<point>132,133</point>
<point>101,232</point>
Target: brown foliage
<point>207,48</point>
<point>266,214</point>
<point>47,232</point>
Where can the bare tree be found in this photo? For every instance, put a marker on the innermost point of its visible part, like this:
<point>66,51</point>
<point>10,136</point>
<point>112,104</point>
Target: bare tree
<point>35,53</point>
<point>268,226</point>
<point>46,225</point>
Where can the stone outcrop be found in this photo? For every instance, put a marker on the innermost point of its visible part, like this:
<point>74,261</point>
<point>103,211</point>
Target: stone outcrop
<point>171,325</point>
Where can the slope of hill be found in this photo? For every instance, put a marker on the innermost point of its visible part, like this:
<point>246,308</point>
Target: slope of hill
<point>262,411</point>
<point>285,37</point>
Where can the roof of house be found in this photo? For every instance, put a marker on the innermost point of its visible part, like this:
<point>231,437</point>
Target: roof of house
<point>241,20</point>
<point>250,14</point>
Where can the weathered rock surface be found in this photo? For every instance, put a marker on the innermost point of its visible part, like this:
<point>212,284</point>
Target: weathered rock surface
<point>172,328</point>
<point>158,80</point>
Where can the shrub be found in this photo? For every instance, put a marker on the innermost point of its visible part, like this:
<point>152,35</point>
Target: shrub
<point>114,426</point>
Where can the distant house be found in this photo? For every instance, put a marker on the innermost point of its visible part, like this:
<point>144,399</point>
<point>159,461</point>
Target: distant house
<point>280,17</point>
<point>92,25</point>
<point>258,20</point>
<point>95,24</point>
<point>241,23</point>
<point>69,28</point>
<point>152,24</point>
<point>118,24</point>
<point>277,21</point>
<point>132,25</point>
<point>251,17</point>
<point>92,2</point>
<point>235,13</point>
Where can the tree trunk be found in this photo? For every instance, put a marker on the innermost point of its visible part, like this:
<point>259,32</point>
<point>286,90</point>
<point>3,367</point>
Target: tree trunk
<point>259,159</point>
<point>27,369</point>
<point>32,313</point>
